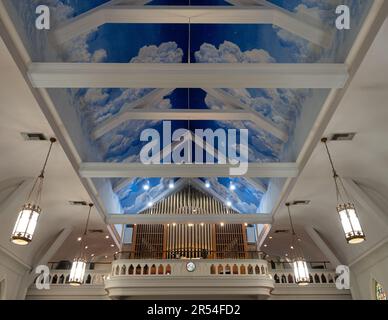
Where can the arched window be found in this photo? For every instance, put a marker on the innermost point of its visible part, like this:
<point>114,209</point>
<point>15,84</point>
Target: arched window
<point>380,292</point>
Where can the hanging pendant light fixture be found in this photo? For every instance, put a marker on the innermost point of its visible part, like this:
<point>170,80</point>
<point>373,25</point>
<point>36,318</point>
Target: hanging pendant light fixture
<point>345,207</point>
<point>27,220</point>
<point>299,264</point>
<point>78,267</point>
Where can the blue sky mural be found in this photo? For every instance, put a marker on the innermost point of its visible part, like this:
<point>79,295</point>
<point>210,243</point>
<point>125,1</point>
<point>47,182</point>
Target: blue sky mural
<point>169,43</point>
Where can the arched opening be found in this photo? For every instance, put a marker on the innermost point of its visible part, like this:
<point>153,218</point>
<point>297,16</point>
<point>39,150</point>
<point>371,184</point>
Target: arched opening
<point>88,279</point>
<point>257,269</point>
<point>212,269</point>
<point>317,279</point>
<point>153,269</point>
<point>138,269</point>
<point>123,270</point>
<point>243,269</point>
<point>160,269</point>
<point>250,269</point>
<point>220,269</point>
<point>61,279</point>
<point>54,280</point>
<point>290,279</point>
<point>235,269</point>
<point>323,279</point>
<point>130,270</point>
<point>276,278</point>
<point>168,269</point>
<point>227,269</point>
<point>145,269</point>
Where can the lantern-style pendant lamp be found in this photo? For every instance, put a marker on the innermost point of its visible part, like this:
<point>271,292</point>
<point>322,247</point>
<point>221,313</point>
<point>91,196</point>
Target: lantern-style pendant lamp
<point>27,220</point>
<point>78,267</point>
<point>299,264</point>
<point>345,207</point>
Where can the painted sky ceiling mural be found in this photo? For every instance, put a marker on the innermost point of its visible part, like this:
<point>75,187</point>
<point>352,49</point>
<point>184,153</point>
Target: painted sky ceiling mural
<point>286,109</point>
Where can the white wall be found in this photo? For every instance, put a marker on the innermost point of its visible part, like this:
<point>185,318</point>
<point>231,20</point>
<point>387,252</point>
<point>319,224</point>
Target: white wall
<point>373,266</point>
<point>12,273</point>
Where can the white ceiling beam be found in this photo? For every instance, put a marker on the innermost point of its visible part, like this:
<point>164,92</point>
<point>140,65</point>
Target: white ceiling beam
<point>171,114</point>
<point>150,100</point>
<point>89,20</point>
<point>368,206</point>
<point>255,14</point>
<point>17,197</point>
<point>128,170</point>
<point>323,246</point>
<point>303,26</point>
<point>187,75</point>
<point>263,123</point>
<point>47,252</point>
<point>188,218</point>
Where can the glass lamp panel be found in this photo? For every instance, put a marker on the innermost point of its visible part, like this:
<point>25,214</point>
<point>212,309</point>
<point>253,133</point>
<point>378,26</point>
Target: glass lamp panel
<point>77,272</point>
<point>25,225</point>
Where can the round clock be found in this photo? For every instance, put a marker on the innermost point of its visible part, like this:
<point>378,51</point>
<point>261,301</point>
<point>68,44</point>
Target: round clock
<point>190,266</point>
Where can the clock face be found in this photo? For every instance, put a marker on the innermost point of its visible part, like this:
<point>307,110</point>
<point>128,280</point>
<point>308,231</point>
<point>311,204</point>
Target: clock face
<point>190,266</point>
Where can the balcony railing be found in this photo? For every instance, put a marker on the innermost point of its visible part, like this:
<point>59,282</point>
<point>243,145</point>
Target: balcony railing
<point>189,254</point>
<point>127,267</point>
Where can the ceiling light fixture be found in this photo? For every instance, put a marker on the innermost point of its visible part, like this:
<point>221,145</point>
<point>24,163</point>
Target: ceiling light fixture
<point>232,186</point>
<point>78,267</point>
<point>27,220</point>
<point>146,186</point>
<point>207,184</point>
<point>301,271</point>
<point>228,204</point>
<point>345,207</point>
<point>171,185</point>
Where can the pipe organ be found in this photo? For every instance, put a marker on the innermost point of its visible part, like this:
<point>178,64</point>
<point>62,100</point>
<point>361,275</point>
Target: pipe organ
<point>174,241</point>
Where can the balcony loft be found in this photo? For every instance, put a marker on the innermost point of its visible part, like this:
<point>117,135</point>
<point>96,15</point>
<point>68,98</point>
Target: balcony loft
<point>248,277</point>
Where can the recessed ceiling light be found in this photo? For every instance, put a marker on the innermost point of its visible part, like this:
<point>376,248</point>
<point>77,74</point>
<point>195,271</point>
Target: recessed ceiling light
<point>222,224</point>
<point>92,255</point>
<point>232,187</point>
<point>112,245</point>
<point>265,246</point>
<point>271,237</point>
<point>246,224</point>
<point>86,247</point>
<point>79,239</point>
<point>171,185</point>
<point>106,257</point>
<point>292,247</point>
<point>228,203</point>
<point>202,224</point>
<point>106,237</point>
<point>150,204</point>
<point>190,225</point>
<point>146,187</point>
<point>174,224</point>
<point>207,184</point>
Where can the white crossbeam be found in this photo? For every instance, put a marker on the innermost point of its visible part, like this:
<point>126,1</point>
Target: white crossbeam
<point>263,123</point>
<point>172,114</point>
<point>128,170</point>
<point>188,218</point>
<point>187,75</point>
<point>256,14</point>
